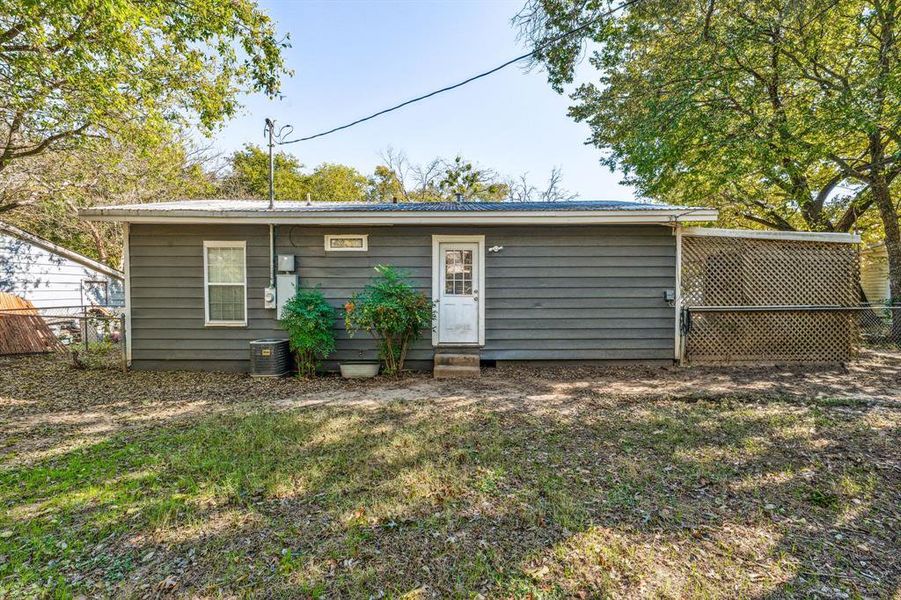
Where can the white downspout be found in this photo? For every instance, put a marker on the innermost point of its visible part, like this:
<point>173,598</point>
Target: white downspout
<point>678,353</point>
<point>126,260</point>
<point>272,256</point>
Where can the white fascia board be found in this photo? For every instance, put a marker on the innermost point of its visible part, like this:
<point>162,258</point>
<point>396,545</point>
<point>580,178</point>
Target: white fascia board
<point>566,217</point>
<point>805,236</point>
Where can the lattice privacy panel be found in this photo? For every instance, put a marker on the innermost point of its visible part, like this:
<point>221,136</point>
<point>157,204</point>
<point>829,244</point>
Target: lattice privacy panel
<point>771,337</point>
<point>739,273</point>
<point>720,271</point>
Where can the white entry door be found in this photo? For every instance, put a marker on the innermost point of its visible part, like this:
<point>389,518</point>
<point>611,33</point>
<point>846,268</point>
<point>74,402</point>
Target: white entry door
<point>458,293</point>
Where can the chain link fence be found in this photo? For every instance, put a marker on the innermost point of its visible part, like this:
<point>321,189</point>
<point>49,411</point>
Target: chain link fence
<point>88,336</point>
<point>774,300</point>
<point>880,326</point>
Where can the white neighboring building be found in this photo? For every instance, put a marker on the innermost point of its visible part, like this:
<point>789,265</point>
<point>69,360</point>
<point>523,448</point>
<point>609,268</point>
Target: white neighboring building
<point>50,276</point>
<point>874,274</point>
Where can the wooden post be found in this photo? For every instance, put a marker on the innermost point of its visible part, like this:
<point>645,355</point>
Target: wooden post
<point>84,328</point>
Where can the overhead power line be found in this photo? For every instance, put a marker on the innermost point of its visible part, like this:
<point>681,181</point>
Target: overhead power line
<point>539,48</point>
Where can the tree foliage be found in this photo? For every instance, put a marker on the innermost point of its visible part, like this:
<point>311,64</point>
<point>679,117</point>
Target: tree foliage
<point>248,177</point>
<point>49,189</point>
<point>310,322</point>
<point>74,69</point>
<point>391,310</point>
<point>336,183</point>
<point>462,178</point>
<point>784,113</point>
<point>439,180</point>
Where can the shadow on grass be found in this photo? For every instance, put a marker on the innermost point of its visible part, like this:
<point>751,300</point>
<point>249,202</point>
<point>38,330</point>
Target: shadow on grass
<point>455,498</point>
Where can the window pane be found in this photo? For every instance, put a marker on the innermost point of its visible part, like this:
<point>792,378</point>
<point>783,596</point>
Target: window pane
<point>458,272</point>
<point>226,303</point>
<point>226,265</point>
<point>348,242</point>
<point>450,257</point>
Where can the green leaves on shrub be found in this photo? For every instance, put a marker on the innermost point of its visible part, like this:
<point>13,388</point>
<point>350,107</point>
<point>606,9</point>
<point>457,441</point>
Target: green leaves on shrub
<point>391,310</point>
<point>309,320</point>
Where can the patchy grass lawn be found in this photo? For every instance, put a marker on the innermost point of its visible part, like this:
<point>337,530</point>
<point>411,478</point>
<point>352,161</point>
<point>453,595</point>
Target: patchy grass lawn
<point>512,486</point>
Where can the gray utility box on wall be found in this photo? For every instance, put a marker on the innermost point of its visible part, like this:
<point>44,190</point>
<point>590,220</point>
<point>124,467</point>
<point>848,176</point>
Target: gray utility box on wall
<point>270,357</point>
<point>285,289</point>
<point>286,282</point>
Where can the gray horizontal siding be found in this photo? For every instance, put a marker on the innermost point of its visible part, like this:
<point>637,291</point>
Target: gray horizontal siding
<point>570,293</point>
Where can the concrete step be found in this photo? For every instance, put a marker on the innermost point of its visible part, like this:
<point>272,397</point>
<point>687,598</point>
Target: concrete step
<point>455,372</point>
<point>457,360</point>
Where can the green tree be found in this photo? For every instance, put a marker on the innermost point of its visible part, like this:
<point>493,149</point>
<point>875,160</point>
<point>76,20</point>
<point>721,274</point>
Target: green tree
<point>385,185</point>
<point>73,70</point>
<point>248,175</point>
<point>462,177</point>
<point>781,112</point>
<point>438,180</point>
<point>50,188</point>
<point>331,182</point>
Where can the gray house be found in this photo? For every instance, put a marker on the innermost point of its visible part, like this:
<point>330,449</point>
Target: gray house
<point>544,281</point>
<point>50,276</point>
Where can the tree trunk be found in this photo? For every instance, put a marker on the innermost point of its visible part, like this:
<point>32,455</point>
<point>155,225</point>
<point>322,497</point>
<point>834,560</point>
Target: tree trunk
<point>883,200</point>
<point>403,353</point>
<point>99,242</point>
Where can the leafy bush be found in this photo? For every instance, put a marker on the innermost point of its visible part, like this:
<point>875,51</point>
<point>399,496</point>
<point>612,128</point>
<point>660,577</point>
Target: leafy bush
<point>309,321</point>
<point>393,312</point>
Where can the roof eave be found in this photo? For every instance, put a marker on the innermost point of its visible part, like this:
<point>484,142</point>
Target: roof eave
<point>766,234</point>
<point>405,218</point>
<point>49,246</point>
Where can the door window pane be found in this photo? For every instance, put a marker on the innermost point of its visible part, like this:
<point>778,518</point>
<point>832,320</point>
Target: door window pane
<point>458,272</point>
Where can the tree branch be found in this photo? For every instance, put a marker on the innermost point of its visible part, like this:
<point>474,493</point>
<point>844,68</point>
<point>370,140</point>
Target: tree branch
<point>708,18</point>
<point>766,223</point>
<point>858,206</point>
<point>824,192</point>
<point>12,32</point>
<point>10,154</point>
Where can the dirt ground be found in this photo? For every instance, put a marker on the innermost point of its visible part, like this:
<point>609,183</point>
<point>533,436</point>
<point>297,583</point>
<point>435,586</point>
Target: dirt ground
<point>47,407</point>
<point>558,483</point>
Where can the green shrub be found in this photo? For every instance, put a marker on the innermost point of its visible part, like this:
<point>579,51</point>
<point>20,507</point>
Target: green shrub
<point>309,321</point>
<point>393,312</point>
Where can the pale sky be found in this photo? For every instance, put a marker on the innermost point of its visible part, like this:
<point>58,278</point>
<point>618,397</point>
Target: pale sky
<point>354,58</point>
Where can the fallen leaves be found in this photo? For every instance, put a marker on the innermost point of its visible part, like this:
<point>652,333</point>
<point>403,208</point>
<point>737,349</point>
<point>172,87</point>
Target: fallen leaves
<point>607,486</point>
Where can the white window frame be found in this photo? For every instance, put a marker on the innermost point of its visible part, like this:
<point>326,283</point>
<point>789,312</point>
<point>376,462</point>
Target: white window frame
<point>347,236</point>
<point>206,283</point>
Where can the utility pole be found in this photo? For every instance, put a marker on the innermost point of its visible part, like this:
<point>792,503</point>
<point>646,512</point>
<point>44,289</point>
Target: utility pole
<point>270,129</point>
